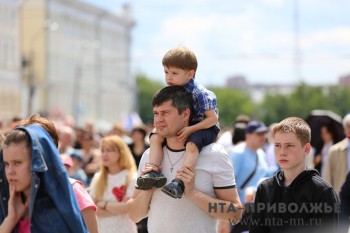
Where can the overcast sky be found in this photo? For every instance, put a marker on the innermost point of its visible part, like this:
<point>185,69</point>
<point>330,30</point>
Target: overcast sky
<point>253,38</point>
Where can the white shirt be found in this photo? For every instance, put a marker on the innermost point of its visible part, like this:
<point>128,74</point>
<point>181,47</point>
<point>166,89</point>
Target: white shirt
<point>120,223</point>
<point>166,214</point>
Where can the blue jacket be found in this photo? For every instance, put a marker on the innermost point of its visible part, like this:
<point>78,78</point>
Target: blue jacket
<point>52,205</point>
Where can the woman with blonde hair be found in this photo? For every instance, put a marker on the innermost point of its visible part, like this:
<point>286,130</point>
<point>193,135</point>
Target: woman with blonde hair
<point>113,185</point>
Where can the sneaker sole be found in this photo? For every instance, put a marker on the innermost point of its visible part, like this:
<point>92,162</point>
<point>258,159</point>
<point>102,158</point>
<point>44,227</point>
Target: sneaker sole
<point>148,183</point>
<point>171,194</point>
<point>160,182</point>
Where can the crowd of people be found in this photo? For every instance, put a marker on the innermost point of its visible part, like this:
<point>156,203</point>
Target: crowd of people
<point>181,176</point>
<point>104,166</point>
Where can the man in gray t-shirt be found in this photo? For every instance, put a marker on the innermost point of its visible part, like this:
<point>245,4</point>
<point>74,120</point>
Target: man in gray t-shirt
<point>210,190</point>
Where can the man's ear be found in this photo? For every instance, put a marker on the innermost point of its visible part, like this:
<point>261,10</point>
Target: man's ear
<point>307,148</point>
<point>187,114</point>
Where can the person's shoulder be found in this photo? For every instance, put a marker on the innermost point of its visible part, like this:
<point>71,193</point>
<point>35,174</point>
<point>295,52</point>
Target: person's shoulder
<point>321,183</point>
<point>144,158</point>
<point>199,86</point>
<point>261,152</point>
<point>311,178</point>
<point>267,182</point>
<point>77,185</point>
<point>75,181</point>
<point>214,152</point>
<point>239,148</point>
<point>342,145</point>
<point>323,189</point>
<point>146,152</point>
<point>214,148</point>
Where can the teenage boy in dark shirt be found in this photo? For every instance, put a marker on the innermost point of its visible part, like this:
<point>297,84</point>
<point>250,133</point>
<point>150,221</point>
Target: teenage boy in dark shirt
<point>295,199</point>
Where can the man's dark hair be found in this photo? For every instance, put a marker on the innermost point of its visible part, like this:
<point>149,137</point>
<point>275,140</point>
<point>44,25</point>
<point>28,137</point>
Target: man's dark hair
<point>178,95</point>
<point>238,133</point>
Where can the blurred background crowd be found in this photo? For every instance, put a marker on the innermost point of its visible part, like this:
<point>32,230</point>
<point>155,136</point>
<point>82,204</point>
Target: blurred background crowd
<point>71,61</point>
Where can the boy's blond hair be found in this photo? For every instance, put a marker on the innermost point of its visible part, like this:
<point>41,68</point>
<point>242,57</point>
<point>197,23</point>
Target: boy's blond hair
<point>294,125</point>
<point>180,57</point>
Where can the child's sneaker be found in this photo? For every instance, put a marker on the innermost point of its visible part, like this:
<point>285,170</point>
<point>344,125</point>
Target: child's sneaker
<point>174,189</point>
<point>150,180</point>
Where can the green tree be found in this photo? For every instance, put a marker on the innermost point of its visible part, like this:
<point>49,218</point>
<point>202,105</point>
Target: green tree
<point>274,108</point>
<point>302,100</point>
<point>146,90</point>
<point>339,99</point>
<point>232,103</point>
<point>306,98</point>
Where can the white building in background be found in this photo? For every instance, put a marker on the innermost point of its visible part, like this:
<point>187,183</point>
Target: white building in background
<point>77,60</point>
<point>10,66</point>
<point>258,91</point>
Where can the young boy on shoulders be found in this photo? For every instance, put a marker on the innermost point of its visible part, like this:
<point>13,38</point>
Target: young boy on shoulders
<point>180,65</point>
<point>295,199</point>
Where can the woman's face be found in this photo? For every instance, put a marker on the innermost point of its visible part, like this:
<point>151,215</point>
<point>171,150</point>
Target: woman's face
<point>110,156</point>
<point>137,136</point>
<point>17,160</point>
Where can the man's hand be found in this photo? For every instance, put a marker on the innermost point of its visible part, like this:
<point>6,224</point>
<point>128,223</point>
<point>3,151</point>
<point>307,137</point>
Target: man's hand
<point>150,167</point>
<point>227,196</point>
<point>188,177</point>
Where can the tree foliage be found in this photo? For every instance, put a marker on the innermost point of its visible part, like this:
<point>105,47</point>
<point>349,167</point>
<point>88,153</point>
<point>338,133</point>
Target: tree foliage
<point>146,90</point>
<point>232,103</point>
<point>339,99</point>
<point>303,99</point>
<point>273,108</point>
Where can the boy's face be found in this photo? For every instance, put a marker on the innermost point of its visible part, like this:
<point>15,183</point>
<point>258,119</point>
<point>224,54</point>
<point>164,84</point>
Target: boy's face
<point>177,76</point>
<point>289,153</point>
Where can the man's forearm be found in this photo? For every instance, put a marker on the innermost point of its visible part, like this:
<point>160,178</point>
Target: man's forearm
<point>139,204</point>
<point>220,209</point>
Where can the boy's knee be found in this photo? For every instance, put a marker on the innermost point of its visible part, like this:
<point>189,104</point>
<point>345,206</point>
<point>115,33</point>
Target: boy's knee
<point>156,139</point>
<point>191,148</point>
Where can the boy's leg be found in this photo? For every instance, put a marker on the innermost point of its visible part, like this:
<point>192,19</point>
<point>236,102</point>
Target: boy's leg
<point>192,154</point>
<point>176,188</point>
<point>156,150</point>
<point>194,145</point>
<point>153,178</point>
